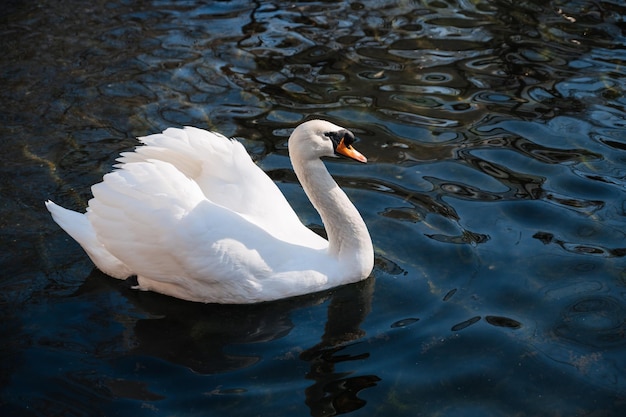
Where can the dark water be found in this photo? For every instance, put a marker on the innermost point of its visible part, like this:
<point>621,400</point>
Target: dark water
<point>495,196</point>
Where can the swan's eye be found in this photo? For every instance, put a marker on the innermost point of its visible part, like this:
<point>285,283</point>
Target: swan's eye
<point>338,135</point>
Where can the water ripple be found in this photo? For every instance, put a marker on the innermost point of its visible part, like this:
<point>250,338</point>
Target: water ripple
<point>594,321</point>
<point>494,190</point>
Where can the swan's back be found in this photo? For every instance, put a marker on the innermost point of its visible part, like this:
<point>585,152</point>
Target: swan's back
<point>227,176</point>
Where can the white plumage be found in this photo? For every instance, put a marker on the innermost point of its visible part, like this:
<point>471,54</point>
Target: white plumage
<point>193,217</point>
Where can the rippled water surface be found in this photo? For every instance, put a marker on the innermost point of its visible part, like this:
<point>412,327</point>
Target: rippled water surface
<point>495,196</point>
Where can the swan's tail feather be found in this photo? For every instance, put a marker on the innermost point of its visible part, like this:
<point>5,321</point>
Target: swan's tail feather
<point>77,225</point>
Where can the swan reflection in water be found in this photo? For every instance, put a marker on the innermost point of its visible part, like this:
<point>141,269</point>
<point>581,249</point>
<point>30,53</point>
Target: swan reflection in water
<point>203,337</point>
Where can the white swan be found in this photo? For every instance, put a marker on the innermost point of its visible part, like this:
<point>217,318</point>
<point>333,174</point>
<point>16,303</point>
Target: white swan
<point>193,217</point>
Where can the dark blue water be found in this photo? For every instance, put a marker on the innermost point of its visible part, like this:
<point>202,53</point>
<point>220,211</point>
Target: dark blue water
<point>495,196</point>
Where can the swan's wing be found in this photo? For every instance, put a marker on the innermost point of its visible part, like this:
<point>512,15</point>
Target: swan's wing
<point>134,210</point>
<point>228,177</point>
<point>140,214</point>
<point>158,222</point>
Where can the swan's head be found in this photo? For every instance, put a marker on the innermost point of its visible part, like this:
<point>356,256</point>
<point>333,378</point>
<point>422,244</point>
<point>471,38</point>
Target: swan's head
<point>317,138</point>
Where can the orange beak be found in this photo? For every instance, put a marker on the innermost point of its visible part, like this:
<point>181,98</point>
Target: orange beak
<point>350,152</point>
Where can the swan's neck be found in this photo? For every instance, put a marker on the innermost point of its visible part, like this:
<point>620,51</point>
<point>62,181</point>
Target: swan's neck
<point>348,237</point>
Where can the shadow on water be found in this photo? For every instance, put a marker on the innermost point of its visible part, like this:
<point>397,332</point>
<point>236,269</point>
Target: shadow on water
<point>205,340</point>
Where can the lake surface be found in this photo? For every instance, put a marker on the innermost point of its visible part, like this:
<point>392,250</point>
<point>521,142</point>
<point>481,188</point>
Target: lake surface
<point>494,193</point>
